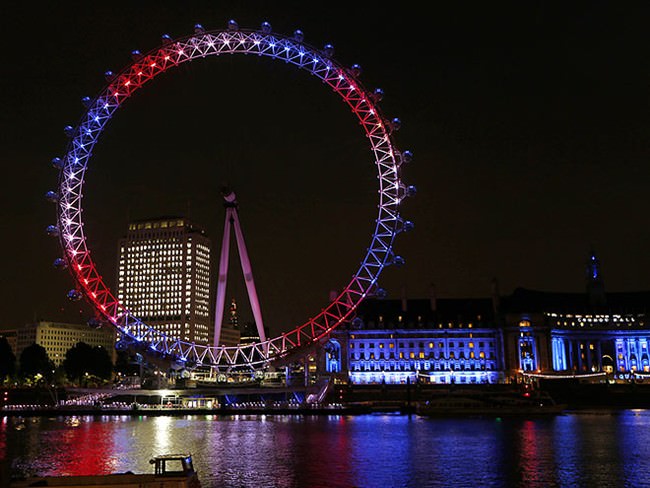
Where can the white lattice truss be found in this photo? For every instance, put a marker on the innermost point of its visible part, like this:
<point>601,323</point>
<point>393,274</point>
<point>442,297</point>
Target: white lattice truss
<point>171,53</point>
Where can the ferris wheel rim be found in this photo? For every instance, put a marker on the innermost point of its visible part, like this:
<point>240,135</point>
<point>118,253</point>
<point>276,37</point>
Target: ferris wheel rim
<point>120,87</point>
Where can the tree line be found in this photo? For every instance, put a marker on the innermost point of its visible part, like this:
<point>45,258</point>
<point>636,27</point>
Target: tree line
<point>82,363</point>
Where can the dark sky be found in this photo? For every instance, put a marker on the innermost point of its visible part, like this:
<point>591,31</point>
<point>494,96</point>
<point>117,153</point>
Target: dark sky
<point>528,120</point>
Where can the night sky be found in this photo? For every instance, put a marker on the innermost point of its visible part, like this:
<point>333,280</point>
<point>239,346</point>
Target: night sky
<point>529,122</point>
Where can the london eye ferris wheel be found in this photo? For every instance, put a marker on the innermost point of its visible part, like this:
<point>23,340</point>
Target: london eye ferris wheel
<point>122,85</point>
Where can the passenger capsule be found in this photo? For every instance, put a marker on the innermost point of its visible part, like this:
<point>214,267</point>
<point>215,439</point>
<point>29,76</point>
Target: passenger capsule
<point>109,75</point>
<point>74,295</point>
<point>52,196</point>
<point>135,55</point>
<point>411,191</point>
<point>166,39</point>
<point>68,130</point>
<point>87,101</point>
<point>266,28</point>
<point>399,261</point>
<point>233,25</point>
<point>396,123</point>
<point>408,226</point>
<point>198,29</point>
<point>407,156</point>
<point>122,345</point>
<point>57,163</point>
<point>328,50</point>
<point>381,293</point>
<point>357,323</point>
<point>94,323</point>
<point>378,95</point>
<point>355,70</point>
<point>298,36</point>
<point>60,263</point>
<point>52,230</point>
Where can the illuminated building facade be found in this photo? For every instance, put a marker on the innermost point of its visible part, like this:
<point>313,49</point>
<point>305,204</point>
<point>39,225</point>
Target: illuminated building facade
<point>56,338</point>
<point>164,277</point>
<point>435,341</point>
<point>488,340</point>
<point>565,333</point>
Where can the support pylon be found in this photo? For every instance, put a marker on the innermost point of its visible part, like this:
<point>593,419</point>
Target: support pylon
<point>232,220</point>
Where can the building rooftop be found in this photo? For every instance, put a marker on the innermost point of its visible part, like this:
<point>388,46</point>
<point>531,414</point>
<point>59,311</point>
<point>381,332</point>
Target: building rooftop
<point>523,300</point>
<point>426,312</point>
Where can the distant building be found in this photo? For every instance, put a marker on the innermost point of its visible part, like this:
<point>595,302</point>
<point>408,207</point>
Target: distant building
<point>230,333</point>
<point>436,341</point>
<point>531,333</point>
<point>578,333</point>
<point>57,338</point>
<point>250,334</point>
<point>163,277</point>
<point>565,332</point>
<point>10,335</point>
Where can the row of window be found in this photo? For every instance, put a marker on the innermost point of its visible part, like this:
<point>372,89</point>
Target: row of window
<point>420,322</point>
<point>420,345</point>
<point>423,366</point>
<point>423,355</point>
<point>160,224</point>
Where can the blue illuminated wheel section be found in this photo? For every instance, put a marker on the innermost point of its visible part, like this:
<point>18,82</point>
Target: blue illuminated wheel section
<point>232,40</point>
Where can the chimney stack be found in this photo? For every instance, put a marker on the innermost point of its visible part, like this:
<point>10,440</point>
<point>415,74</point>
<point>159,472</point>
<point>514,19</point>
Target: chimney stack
<point>432,297</point>
<point>495,296</point>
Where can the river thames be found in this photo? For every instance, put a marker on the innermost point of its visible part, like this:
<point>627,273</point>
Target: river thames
<point>605,448</point>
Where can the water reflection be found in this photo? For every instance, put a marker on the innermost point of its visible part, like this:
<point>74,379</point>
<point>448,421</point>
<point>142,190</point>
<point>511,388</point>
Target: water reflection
<point>3,437</point>
<point>339,451</point>
<point>633,448</point>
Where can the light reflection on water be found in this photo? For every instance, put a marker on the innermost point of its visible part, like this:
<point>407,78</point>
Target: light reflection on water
<point>606,449</point>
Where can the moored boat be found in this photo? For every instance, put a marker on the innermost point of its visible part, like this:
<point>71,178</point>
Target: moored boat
<point>477,403</point>
<point>170,471</point>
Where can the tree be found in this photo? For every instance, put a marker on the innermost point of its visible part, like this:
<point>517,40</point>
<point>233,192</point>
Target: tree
<point>102,365</point>
<point>83,359</point>
<point>126,364</point>
<point>7,359</point>
<point>35,361</point>
<point>78,360</point>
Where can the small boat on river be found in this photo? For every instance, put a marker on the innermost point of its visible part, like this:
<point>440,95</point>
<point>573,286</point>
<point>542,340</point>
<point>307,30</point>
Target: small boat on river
<point>170,471</point>
<point>480,403</point>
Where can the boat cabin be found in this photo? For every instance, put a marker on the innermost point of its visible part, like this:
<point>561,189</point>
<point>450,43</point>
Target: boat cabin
<point>172,464</point>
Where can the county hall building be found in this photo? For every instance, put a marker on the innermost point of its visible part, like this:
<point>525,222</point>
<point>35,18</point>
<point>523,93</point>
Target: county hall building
<point>496,339</point>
